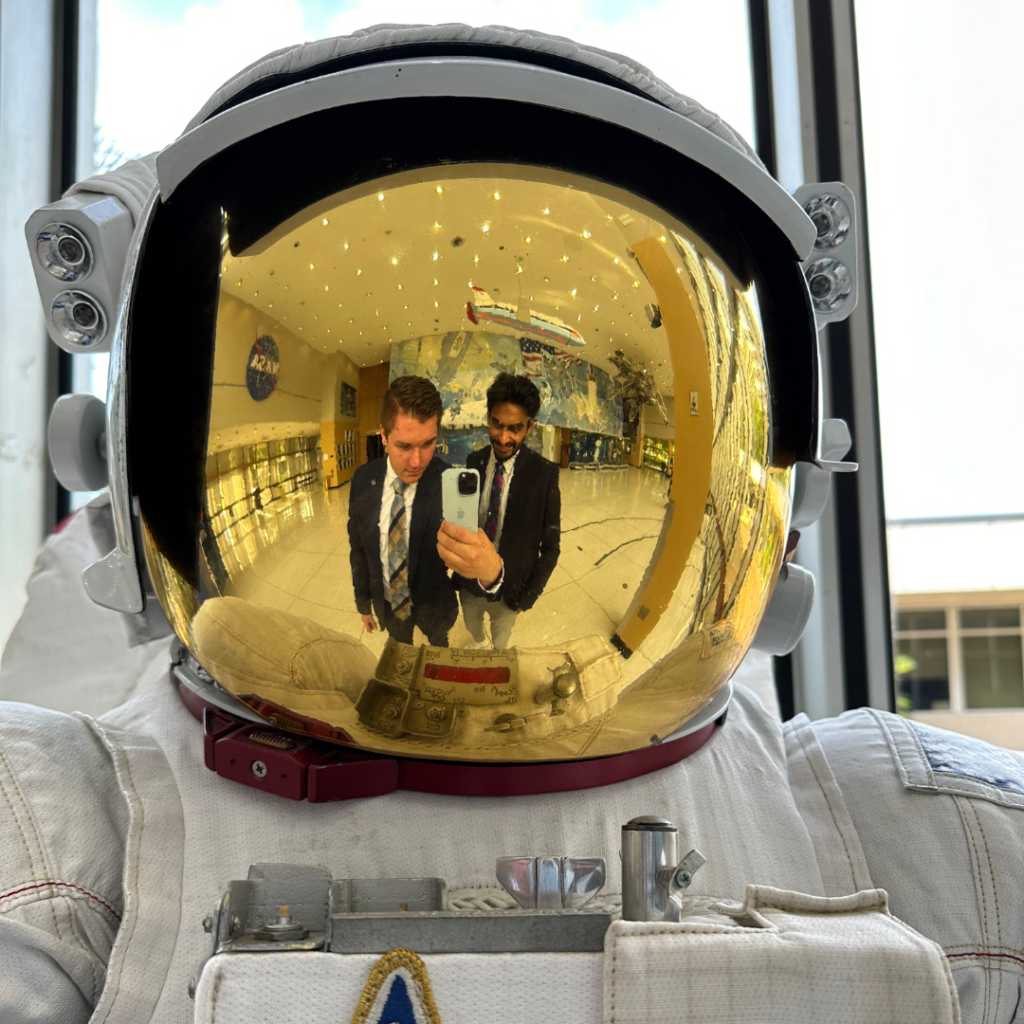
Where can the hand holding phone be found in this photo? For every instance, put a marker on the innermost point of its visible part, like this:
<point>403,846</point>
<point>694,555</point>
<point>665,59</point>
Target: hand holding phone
<point>460,497</point>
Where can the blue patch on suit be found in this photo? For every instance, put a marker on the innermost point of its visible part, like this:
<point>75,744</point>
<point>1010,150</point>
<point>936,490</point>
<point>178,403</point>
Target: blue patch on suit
<point>398,1007</point>
<point>949,753</point>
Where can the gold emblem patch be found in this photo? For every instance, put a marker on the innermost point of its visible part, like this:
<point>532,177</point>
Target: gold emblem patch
<point>397,992</point>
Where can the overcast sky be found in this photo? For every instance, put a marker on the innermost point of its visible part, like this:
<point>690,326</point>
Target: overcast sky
<point>939,93</point>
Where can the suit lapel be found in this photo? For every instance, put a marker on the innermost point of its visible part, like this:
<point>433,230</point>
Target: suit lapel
<point>520,481</point>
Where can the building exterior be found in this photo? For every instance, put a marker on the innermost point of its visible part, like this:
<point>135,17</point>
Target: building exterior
<point>958,606</point>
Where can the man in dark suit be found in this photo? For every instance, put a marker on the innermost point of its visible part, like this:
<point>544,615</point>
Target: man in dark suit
<point>503,568</point>
<point>393,518</point>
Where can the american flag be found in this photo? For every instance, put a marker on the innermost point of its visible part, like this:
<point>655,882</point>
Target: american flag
<point>535,355</point>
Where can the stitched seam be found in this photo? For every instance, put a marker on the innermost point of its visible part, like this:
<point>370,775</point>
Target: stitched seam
<point>21,832</point>
<point>135,910</point>
<point>980,945</point>
<point>305,647</point>
<point>828,804</point>
<point>740,931</point>
<point>979,888</point>
<point>997,956</point>
<point>995,898</point>
<point>51,883</point>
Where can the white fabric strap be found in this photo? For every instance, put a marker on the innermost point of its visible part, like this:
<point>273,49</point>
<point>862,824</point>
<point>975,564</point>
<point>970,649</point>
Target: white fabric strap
<point>781,957</point>
<point>468,988</point>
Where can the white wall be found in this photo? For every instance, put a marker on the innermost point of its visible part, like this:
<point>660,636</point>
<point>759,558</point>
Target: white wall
<point>26,55</point>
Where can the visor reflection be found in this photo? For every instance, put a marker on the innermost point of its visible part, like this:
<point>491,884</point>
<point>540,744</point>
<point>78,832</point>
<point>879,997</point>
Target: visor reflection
<point>649,361</point>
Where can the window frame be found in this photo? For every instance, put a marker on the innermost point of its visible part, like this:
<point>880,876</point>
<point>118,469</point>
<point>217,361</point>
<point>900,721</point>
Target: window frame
<point>952,604</point>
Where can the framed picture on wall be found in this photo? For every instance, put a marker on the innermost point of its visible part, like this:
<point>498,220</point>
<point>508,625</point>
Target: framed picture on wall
<point>347,401</point>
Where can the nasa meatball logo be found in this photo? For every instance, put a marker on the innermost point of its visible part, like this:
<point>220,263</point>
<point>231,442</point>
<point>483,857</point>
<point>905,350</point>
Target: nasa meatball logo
<point>263,368</point>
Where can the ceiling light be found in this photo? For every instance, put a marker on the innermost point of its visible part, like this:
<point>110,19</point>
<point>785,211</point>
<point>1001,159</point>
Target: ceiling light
<point>325,222</point>
<point>311,266</point>
<point>434,257</point>
<point>380,197</point>
<point>438,190</point>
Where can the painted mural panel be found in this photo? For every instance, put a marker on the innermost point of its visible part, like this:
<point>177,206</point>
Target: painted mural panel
<point>574,393</point>
<point>462,365</point>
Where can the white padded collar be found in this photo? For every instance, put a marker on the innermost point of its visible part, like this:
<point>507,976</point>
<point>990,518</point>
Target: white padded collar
<point>306,57</point>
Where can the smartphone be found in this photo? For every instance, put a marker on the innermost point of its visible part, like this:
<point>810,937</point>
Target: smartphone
<point>460,497</point>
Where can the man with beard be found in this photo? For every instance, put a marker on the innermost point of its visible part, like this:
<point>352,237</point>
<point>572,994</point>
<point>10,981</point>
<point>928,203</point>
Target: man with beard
<point>503,568</point>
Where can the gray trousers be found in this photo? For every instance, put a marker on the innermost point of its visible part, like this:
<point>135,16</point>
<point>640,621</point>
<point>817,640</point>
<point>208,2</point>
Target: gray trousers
<point>502,619</point>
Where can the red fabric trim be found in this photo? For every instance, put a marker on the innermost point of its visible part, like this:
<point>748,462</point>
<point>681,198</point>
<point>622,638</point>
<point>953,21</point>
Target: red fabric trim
<point>382,773</point>
<point>991,956</point>
<point>64,522</point>
<point>62,885</point>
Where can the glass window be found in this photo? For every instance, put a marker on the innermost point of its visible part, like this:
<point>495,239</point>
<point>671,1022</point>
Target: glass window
<point>927,619</point>
<point>989,618</point>
<point>993,674</point>
<point>922,674</point>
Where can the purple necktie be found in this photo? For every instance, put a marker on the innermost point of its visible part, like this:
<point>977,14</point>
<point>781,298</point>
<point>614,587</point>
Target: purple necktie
<point>494,508</point>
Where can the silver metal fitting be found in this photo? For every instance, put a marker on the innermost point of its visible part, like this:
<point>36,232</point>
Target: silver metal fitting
<point>653,877</point>
<point>551,883</point>
<point>283,929</point>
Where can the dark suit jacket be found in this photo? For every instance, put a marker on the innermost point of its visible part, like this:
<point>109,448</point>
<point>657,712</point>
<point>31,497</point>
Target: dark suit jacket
<point>531,534</point>
<point>433,595</point>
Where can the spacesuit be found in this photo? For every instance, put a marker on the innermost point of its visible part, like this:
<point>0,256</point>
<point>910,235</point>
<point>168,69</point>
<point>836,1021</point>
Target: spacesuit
<point>863,868</point>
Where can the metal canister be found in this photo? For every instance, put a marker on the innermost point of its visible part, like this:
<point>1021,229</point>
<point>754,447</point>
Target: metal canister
<point>649,845</point>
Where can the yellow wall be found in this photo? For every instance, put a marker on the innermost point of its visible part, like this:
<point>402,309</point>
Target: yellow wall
<point>306,396</point>
<point>692,437</point>
<point>337,467</point>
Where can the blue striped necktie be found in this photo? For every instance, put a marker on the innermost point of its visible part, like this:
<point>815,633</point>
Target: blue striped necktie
<point>400,597</point>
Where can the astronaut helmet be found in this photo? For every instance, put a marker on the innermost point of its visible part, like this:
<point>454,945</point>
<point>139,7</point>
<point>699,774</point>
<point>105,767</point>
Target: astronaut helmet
<point>448,204</point>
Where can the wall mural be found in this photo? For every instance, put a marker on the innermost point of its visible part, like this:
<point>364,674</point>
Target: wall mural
<point>462,365</point>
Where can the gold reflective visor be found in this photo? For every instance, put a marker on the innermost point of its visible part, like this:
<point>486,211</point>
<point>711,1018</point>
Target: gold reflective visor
<point>649,358</point>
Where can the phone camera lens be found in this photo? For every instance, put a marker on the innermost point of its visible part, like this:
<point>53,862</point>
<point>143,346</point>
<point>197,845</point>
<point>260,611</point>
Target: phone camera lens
<point>467,483</point>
